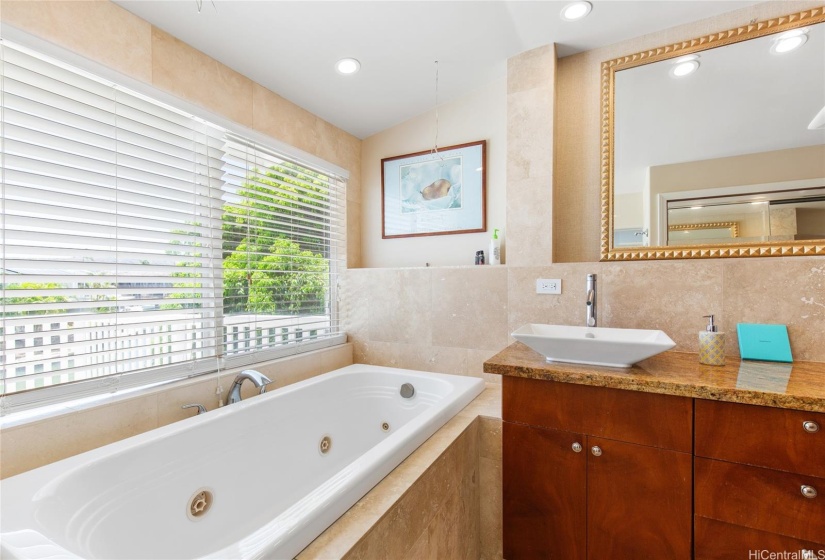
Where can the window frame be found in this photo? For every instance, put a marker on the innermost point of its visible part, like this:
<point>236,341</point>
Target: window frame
<point>105,386</point>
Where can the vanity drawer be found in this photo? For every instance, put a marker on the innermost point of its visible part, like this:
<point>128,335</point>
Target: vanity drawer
<point>760,498</point>
<point>716,540</point>
<point>762,436</point>
<point>650,419</point>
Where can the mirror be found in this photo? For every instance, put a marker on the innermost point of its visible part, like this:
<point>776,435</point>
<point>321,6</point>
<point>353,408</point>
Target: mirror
<point>716,146</point>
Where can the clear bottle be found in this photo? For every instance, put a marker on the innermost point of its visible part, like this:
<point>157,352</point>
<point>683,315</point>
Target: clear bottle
<point>711,345</point>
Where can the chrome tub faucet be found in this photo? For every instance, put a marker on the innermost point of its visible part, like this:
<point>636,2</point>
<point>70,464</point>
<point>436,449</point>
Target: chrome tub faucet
<point>257,378</point>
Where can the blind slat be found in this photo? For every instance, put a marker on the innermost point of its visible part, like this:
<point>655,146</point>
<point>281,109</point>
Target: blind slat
<point>125,224</point>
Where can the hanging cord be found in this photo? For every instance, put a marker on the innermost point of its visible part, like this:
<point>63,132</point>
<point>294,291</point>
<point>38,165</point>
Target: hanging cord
<point>434,151</point>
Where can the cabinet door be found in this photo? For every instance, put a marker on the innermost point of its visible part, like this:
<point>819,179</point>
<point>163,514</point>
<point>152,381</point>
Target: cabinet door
<point>544,494</point>
<point>639,501</point>
<point>721,541</point>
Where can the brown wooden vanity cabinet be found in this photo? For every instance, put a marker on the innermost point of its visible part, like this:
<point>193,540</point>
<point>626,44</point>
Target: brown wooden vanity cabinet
<point>594,472</point>
<point>760,479</point>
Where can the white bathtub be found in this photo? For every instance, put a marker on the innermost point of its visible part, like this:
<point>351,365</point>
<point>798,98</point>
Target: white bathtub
<point>272,489</point>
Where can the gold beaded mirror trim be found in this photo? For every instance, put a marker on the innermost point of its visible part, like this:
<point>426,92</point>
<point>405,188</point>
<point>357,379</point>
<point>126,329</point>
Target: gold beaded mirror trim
<point>732,226</point>
<point>608,70</point>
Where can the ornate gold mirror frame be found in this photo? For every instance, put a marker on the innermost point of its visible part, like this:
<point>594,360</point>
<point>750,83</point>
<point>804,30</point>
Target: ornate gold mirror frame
<point>732,227</point>
<point>609,69</point>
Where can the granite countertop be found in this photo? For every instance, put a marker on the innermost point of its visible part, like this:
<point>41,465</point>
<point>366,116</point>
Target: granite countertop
<point>800,385</point>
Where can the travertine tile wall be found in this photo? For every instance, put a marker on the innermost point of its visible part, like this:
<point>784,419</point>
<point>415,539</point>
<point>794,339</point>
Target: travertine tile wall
<point>531,78</point>
<point>450,320</point>
<point>106,33</point>
<point>438,517</point>
<point>490,484</point>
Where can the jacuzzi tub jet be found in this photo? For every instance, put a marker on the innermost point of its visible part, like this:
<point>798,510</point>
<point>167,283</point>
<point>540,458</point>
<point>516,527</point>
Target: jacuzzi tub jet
<point>385,426</point>
<point>325,445</point>
<point>199,504</point>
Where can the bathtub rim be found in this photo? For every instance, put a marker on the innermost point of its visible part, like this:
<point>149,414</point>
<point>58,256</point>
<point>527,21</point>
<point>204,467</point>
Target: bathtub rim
<point>434,420</point>
<point>353,526</point>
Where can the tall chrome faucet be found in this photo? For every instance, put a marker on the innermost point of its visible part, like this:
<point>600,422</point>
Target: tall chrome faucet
<point>257,378</point>
<point>591,300</point>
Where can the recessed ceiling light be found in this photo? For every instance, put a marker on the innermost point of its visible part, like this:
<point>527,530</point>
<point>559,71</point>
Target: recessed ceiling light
<point>790,40</point>
<point>347,66</point>
<point>576,10</point>
<point>684,65</point>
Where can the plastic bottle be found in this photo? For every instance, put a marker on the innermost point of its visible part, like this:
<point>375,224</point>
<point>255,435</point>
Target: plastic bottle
<point>495,249</point>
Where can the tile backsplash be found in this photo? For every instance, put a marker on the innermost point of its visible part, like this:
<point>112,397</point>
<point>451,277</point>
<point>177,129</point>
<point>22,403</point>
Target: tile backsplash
<point>451,319</point>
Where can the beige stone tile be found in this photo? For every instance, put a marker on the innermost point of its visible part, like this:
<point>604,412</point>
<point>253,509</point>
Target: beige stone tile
<point>529,221</point>
<point>352,157</point>
<point>487,404</point>
<point>437,359</point>
<point>275,116</point>
<point>787,291</point>
<point>567,308</point>
<point>530,135</point>
<point>420,549</point>
<point>342,149</point>
<point>489,438</point>
<point>444,530</point>
<point>372,546</point>
<point>354,213</point>
<point>196,77</point>
<point>667,295</point>
<point>36,444</point>
<point>376,353</point>
<point>336,357</point>
<point>475,365</point>
<point>490,509</point>
<point>576,173</point>
<point>470,307</point>
<point>400,305</point>
<point>531,69</point>
<point>99,30</point>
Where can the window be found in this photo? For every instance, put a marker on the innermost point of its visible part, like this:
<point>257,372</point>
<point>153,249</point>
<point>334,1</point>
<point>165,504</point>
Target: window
<point>152,243</point>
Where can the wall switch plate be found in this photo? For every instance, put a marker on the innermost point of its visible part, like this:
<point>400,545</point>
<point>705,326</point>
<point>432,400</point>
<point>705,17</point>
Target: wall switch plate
<point>548,286</point>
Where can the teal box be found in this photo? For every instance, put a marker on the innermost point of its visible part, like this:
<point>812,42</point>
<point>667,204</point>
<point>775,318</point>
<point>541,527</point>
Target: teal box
<point>764,342</point>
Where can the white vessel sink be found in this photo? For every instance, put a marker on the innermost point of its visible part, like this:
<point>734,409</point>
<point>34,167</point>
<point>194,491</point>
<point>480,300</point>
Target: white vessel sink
<point>593,345</point>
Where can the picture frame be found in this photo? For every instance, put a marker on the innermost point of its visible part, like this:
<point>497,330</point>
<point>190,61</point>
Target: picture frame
<point>432,192</point>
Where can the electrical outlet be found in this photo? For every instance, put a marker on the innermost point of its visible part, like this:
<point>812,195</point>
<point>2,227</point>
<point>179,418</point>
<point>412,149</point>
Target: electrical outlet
<point>548,286</point>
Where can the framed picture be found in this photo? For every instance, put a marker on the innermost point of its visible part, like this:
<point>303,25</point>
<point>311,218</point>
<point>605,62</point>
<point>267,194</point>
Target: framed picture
<point>429,193</point>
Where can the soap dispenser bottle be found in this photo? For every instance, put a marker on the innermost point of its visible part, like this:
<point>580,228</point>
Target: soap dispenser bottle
<point>495,248</point>
<point>711,345</point>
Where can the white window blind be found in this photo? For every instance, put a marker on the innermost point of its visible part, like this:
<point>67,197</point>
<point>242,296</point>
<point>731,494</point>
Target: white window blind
<point>121,220</point>
<point>283,239</point>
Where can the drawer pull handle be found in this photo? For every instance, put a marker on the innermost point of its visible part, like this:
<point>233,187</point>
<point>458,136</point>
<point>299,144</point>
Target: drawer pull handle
<point>810,426</point>
<point>577,447</point>
<point>596,450</point>
<point>808,491</point>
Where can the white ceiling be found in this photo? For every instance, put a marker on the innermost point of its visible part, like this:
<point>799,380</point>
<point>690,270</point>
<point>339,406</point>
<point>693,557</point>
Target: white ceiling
<point>290,47</point>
